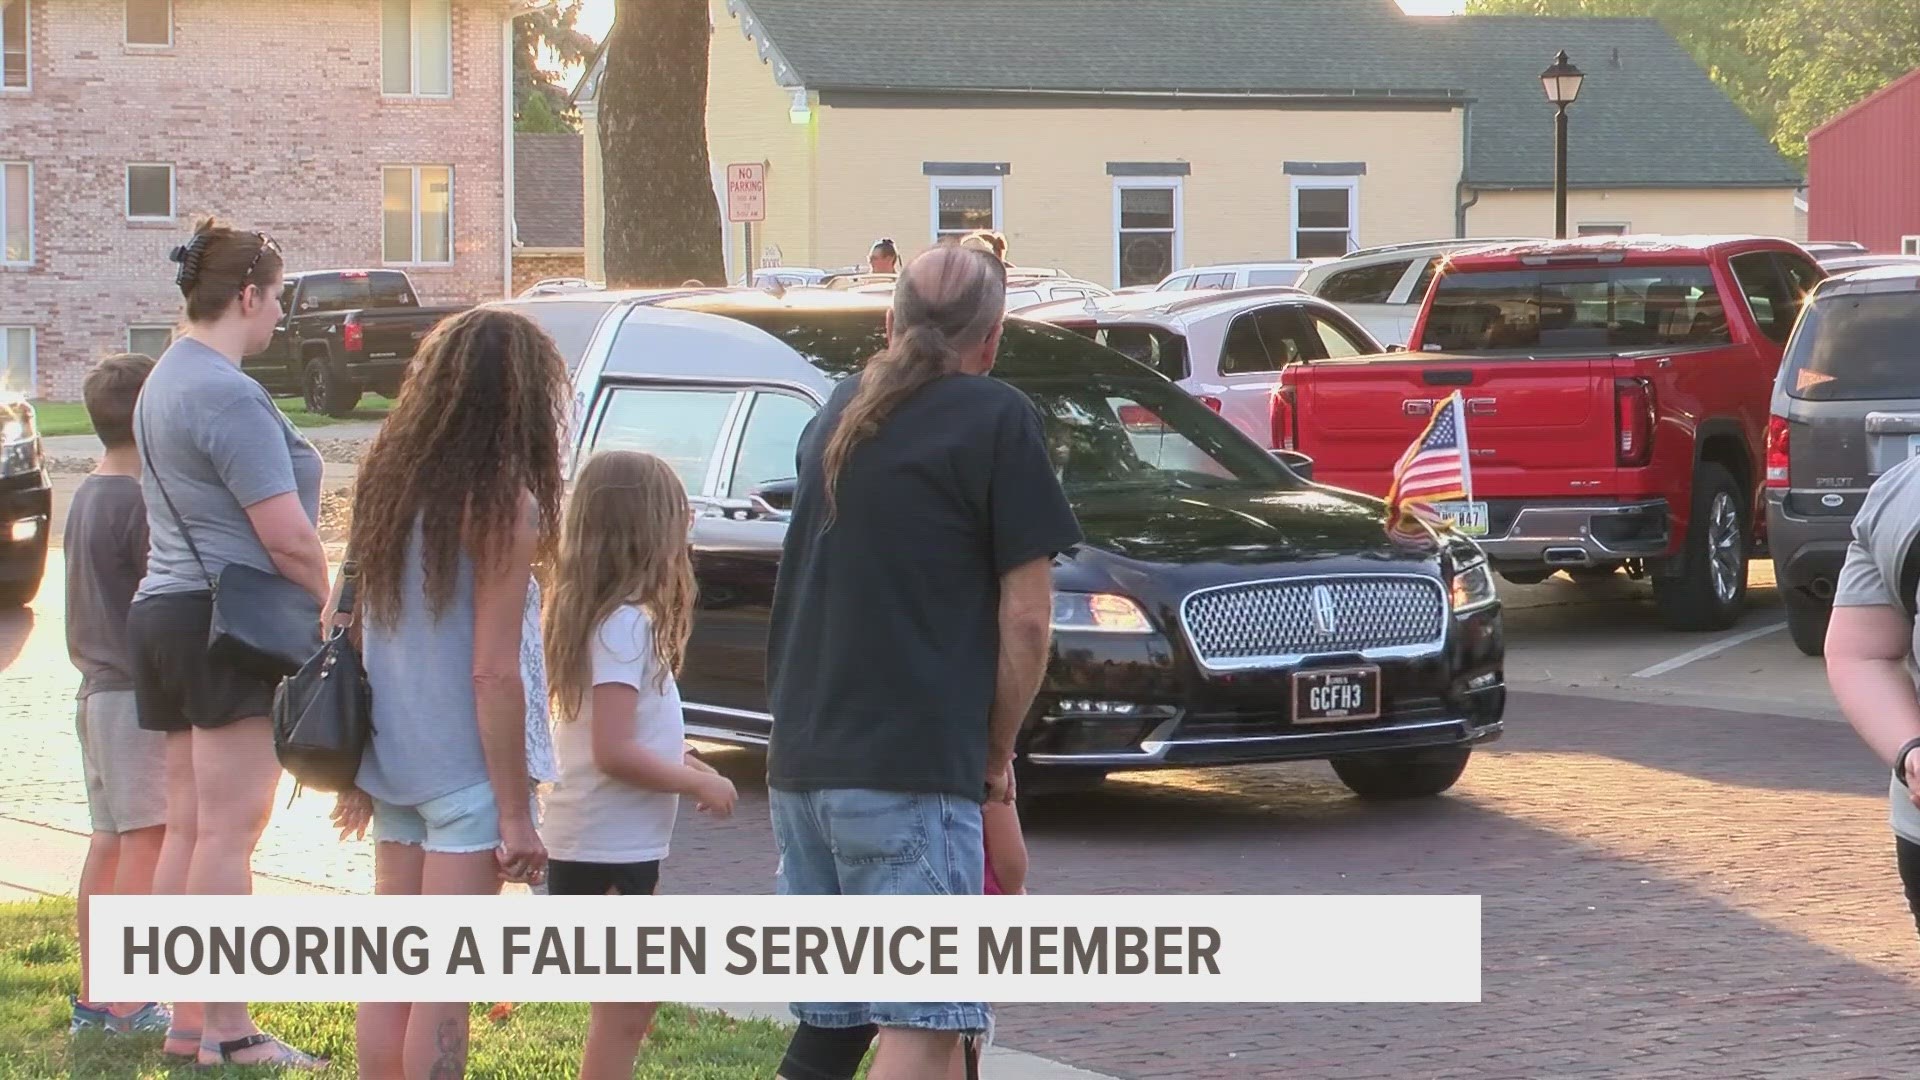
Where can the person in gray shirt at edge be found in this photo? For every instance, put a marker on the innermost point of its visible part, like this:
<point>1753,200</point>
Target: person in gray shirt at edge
<point>246,487</point>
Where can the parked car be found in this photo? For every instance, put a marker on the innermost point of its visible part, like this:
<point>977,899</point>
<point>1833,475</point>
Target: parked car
<point>1823,250</point>
<point>1226,348</point>
<point>1616,392</point>
<point>1221,611</point>
<point>343,333</point>
<point>551,286</point>
<point>26,504</point>
<point>1847,264</point>
<point>1382,287</point>
<point>1846,408</point>
<point>1235,275</point>
<point>786,276</point>
<point>1026,292</point>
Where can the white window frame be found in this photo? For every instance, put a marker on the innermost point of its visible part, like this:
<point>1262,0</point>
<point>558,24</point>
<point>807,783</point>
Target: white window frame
<point>173,191</point>
<point>126,28</point>
<point>937,184</point>
<point>137,327</point>
<point>1351,184</point>
<point>413,57</point>
<point>1625,227</point>
<point>1910,245</point>
<point>452,249</point>
<point>25,87</point>
<point>4,261</point>
<point>33,355</point>
<point>1179,187</point>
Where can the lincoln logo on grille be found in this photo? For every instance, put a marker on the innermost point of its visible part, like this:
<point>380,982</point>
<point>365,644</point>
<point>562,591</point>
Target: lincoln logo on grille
<point>1324,620</point>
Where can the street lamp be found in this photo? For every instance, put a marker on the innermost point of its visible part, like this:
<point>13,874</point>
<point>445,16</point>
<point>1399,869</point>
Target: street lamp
<point>1562,83</point>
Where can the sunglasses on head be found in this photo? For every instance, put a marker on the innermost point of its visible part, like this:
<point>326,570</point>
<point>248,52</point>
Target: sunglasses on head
<point>266,243</point>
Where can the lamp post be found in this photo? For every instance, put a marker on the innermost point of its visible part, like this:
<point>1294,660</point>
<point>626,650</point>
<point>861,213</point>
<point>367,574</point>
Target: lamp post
<point>1561,81</point>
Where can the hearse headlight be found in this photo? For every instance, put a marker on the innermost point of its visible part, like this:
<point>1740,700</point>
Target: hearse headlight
<point>1473,587</point>
<point>1099,612</point>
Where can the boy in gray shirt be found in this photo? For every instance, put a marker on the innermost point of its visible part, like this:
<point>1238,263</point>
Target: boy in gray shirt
<point>106,553</point>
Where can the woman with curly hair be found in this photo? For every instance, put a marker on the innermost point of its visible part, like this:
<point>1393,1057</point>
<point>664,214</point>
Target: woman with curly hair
<point>458,498</point>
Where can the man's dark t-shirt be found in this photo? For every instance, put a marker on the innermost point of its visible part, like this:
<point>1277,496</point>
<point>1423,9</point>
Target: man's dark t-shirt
<point>884,645</point>
<point>106,546</point>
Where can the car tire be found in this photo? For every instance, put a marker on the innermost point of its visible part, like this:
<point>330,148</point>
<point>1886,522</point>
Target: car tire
<point>1807,621</point>
<point>325,392</point>
<point>1391,775</point>
<point>1705,587</point>
<point>19,591</point>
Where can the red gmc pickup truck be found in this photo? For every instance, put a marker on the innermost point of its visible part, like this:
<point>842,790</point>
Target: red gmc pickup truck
<point>1617,393</point>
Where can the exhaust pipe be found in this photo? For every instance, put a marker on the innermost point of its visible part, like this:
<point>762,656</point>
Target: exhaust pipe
<point>1567,556</point>
<point>1821,588</point>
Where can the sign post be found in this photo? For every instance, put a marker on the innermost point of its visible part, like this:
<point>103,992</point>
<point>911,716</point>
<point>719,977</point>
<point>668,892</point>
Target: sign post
<point>747,203</point>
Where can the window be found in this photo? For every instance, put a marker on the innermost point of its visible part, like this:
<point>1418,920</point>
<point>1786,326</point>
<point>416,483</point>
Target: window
<point>768,444</point>
<point>1212,281</point>
<point>1272,277</point>
<point>1325,218</point>
<point>1146,218</point>
<point>418,214</point>
<point>1019,298</point>
<point>354,290</point>
<point>1335,340</point>
<point>570,325</point>
<point>150,192</point>
<point>16,359</point>
<point>1592,307</point>
<point>149,340</point>
<point>1418,295</point>
<point>1602,228</point>
<point>1910,245</point>
<point>416,48</point>
<point>1855,346</point>
<point>150,22</point>
<point>961,206</point>
<point>1364,284</point>
<point>13,45</point>
<point>16,212</point>
<point>1179,284</point>
<point>1773,294</point>
<point>1263,342</point>
<point>682,427</point>
<point>1162,350</point>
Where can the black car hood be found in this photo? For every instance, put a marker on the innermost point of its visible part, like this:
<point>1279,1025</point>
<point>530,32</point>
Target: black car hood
<point>1239,525</point>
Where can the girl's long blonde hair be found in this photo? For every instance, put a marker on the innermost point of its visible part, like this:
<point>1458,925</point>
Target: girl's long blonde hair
<point>624,541</point>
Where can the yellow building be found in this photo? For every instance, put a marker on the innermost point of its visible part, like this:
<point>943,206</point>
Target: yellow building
<point>1122,139</point>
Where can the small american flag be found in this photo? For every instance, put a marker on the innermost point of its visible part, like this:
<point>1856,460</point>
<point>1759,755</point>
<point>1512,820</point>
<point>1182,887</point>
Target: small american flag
<point>1435,467</point>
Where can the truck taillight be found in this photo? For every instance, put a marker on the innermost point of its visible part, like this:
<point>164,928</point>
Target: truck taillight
<point>1633,420</point>
<point>1210,402</point>
<point>352,335</point>
<point>1779,443</point>
<point>1280,413</point>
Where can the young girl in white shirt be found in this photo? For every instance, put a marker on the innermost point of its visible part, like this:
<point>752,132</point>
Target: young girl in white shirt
<point>615,629</point>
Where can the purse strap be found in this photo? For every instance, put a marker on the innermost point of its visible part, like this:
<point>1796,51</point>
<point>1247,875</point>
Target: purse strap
<point>349,590</point>
<point>146,451</point>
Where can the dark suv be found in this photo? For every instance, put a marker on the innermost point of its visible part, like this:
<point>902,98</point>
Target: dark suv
<point>1221,611</point>
<point>1846,408</point>
<point>26,504</point>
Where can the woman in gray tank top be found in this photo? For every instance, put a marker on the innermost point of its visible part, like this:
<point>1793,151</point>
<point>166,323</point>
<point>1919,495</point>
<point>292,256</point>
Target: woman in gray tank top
<point>456,501</point>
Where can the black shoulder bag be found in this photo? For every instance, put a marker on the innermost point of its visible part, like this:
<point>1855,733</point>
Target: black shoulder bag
<point>323,713</point>
<point>263,623</point>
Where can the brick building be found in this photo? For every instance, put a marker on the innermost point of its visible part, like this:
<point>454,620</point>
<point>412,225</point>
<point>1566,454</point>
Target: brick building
<point>549,212</point>
<point>356,132</point>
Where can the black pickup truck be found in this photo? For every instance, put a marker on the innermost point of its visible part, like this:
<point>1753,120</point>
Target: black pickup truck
<point>344,333</point>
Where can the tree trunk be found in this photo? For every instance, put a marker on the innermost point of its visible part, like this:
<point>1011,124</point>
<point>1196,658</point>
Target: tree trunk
<point>662,220</point>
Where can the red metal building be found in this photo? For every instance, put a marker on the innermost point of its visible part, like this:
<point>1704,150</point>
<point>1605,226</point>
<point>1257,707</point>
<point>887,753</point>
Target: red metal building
<point>1863,172</point>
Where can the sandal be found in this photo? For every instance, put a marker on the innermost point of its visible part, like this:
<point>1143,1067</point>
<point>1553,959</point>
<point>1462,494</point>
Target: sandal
<point>180,1037</point>
<point>285,1058</point>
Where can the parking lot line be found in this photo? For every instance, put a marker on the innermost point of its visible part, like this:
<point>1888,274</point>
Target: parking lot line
<point>1705,651</point>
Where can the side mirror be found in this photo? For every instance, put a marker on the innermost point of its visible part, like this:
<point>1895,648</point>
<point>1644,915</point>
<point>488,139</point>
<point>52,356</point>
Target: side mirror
<point>1396,348</point>
<point>776,494</point>
<point>1300,464</point>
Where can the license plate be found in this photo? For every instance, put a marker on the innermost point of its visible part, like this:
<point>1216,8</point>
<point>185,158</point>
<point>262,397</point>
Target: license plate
<point>1325,697</point>
<point>1469,517</point>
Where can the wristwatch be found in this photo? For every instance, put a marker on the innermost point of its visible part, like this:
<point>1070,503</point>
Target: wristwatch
<point>1900,760</point>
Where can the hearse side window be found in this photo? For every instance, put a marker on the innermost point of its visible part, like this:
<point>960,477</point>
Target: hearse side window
<point>769,442</point>
<point>681,426</point>
<point>1595,307</point>
<point>570,325</point>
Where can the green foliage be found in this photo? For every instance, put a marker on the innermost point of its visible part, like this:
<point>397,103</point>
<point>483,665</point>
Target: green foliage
<point>1792,65</point>
<point>539,94</point>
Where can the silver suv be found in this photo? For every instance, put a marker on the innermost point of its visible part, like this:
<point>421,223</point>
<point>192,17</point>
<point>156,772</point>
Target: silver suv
<point>1846,408</point>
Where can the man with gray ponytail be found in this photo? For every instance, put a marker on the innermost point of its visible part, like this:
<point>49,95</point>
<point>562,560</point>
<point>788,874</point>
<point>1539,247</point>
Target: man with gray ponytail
<point>910,632</point>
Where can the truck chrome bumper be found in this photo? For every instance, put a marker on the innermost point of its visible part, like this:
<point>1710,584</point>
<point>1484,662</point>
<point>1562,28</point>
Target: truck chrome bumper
<point>1582,535</point>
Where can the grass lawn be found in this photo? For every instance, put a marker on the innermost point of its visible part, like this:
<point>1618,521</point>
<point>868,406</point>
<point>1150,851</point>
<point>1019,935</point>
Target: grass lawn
<point>40,966</point>
<point>70,417</point>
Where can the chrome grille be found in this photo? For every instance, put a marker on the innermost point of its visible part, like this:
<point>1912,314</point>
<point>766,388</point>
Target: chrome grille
<point>1263,621</point>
